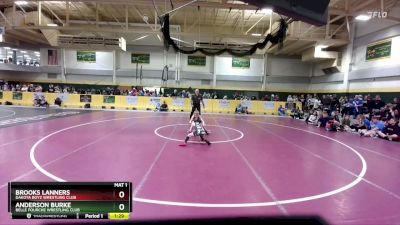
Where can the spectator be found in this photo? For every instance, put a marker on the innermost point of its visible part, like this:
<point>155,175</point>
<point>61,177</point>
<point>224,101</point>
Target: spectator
<point>376,126</point>
<point>281,111</point>
<point>357,103</point>
<point>345,123</point>
<point>391,131</point>
<point>360,123</point>
<point>297,113</point>
<point>289,101</point>
<point>303,101</point>
<point>50,89</point>
<point>164,107</point>
<point>58,101</point>
<point>333,123</point>
<point>317,103</point>
<point>323,120</point>
<point>378,103</point>
<point>241,109</point>
<point>313,118</point>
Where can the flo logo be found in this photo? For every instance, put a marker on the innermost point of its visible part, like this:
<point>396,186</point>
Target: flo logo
<point>28,215</point>
<point>377,14</point>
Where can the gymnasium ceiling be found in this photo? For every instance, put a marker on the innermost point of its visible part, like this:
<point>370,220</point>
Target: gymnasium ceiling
<point>216,21</point>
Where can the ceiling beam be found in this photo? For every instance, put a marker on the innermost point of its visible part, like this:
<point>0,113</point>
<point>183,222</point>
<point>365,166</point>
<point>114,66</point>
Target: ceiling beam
<point>336,18</point>
<point>274,47</point>
<point>5,18</point>
<point>54,14</point>
<point>159,3</point>
<point>302,48</point>
<point>142,16</point>
<point>254,24</point>
<point>286,48</point>
<point>27,35</point>
<point>356,7</point>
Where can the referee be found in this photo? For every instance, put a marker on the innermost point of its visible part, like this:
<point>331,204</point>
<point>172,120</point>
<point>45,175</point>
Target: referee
<point>196,99</point>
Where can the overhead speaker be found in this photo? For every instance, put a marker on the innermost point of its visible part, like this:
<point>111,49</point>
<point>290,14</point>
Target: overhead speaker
<point>312,12</point>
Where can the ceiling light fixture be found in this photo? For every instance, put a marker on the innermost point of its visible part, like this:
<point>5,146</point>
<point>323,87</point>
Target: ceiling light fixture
<point>266,11</point>
<point>363,17</point>
<point>52,25</point>
<point>140,38</point>
<point>21,2</point>
<point>256,34</point>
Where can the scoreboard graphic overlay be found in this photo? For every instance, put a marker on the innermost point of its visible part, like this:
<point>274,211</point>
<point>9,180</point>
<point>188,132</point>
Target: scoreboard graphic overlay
<point>70,200</point>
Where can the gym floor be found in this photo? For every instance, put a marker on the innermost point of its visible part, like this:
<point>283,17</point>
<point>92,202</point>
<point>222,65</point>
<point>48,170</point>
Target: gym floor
<point>256,166</point>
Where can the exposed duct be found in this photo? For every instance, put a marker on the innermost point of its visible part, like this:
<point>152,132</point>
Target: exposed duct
<point>81,42</point>
<point>318,54</point>
<point>329,60</point>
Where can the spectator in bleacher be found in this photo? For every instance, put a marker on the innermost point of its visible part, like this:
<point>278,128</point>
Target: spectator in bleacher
<point>174,93</point>
<point>241,109</point>
<point>376,125</point>
<point>391,131</point>
<point>323,120</point>
<point>396,103</point>
<point>360,123</point>
<point>164,107</point>
<point>347,107</point>
<point>303,102</point>
<point>335,104</point>
<point>313,118</point>
<point>281,111</point>
<point>58,101</point>
<point>290,102</point>
<point>50,89</point>
<point>326,101</point>
<point>378,103</point>
<point>345,123</point>
<point>5,86</point>
<point>276,98</point>
<point>357,103</point>
<point>317,103</point>
<point>310,102</point>
<point>297,113</point>
<point>334,122</point>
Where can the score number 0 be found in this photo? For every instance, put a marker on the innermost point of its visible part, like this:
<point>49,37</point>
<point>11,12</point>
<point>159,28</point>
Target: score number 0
<point>121,194</point>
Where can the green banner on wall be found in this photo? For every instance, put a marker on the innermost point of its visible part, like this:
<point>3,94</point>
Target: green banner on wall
<point>86,56</point>
<point>195,60</point>
<point>143,58</point>
<point>17,96</point>
<point>109,99</point>
<point>379,50</point>
<point>240,62</point>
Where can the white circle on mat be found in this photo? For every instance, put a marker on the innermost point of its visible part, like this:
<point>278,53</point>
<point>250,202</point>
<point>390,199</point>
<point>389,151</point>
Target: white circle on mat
<point>214,142</point>
<point>359,177</point>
